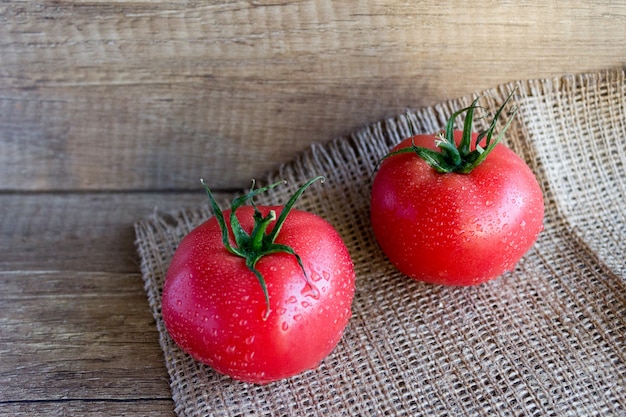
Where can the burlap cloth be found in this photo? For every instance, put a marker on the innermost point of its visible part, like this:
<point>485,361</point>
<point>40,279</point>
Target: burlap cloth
<point>547,339</point>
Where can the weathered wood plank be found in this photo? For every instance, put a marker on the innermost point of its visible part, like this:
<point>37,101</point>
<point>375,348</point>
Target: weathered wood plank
<point>76,333</point>
<point>78,232</point>
<point>70,336</point>
<point>144,408</point>
<point>133,94</point>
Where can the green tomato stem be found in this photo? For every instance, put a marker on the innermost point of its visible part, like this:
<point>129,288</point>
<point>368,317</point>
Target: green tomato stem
<point>259,242</point>
<point>459,158</point>
<point>260,227</point>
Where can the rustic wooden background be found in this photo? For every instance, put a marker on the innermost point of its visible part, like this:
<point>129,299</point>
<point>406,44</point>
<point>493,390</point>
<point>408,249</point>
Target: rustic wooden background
<point>109,109</point>
<point>123,95</point>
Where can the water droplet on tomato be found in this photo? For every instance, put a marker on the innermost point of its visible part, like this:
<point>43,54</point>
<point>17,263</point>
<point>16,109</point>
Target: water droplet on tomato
<point>310,290</point>
<point>248,357</point>
<point>179,302</point>
<point>231,349</point>
<point>285,326</point>
<point>291,300</point>
<point>297,317</point>
<point>326,275</point>
<point>305,304</point>
<point>280,311</point>
<point>315,277</point>
<point>249,340</point>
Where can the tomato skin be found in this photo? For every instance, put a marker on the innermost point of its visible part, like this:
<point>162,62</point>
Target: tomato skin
<point>455,229</point>
<point>214,308</point>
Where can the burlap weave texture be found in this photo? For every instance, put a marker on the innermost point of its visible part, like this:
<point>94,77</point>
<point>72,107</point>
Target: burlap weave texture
<point>548,338</point>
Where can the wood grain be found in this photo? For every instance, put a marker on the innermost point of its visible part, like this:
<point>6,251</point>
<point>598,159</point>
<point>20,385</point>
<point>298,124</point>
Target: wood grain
<point>128,95</point>
<point>143,408</point>
<point>88,232</point>
<point>78,336</point>
<point>76,333</point>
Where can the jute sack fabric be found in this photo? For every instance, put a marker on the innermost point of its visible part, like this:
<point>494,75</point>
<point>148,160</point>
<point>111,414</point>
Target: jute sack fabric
<point>546,339</point>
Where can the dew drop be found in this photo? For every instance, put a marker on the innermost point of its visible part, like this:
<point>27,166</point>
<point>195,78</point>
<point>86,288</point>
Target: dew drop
<point>249,340</point>
<point>285,326</point>
<point>310,290</point>
<point>291,300</point>
<point>297,317</point>
<point>305,304</point>
<point>231,349</point>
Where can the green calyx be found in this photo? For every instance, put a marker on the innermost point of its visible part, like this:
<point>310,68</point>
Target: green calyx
<point>460,158</point>
<point>259,242</point>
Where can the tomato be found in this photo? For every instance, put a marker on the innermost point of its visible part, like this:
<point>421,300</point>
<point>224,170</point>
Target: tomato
<point>455,228</point>
<point>266,320</point>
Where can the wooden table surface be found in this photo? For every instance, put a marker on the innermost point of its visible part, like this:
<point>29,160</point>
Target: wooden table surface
<point>110,110</point>
<point>76,334</point>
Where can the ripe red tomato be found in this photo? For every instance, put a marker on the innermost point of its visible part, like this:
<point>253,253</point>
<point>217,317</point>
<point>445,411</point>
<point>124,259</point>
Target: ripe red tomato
<point>215,308</point>
<point>455,228</point>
